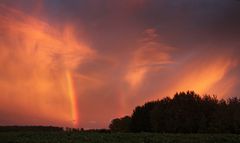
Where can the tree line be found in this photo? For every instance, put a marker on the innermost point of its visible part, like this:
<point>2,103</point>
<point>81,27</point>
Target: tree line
<point>30,128</point>
<point>186,112</point>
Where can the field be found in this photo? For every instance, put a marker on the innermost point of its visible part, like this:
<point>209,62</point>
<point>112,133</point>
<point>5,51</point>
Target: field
<point>86,137</point>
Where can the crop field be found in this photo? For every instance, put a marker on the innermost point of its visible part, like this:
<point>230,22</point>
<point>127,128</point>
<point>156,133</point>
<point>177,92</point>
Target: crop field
<point>92,137</point>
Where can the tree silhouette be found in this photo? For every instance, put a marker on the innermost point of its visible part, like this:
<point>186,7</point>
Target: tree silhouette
<point>121,125</point>
<point>186,112</point>
<point>141,118</point>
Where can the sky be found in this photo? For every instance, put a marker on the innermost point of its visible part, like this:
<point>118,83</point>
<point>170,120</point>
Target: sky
<point>81,63</point>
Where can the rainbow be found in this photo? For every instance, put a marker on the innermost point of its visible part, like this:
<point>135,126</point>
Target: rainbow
<point>73,100</point>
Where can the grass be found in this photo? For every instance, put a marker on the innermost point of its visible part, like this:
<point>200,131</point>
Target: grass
<point>85,137</point>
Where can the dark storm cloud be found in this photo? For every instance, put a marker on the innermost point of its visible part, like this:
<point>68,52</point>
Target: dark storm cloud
<point>182,23</point>
<point>189,21</point>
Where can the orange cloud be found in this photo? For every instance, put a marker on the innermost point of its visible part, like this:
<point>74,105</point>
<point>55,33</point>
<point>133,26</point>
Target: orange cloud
<point>202,77</point>
<point>36,57</point>
<point>151,54</point>
<point>205,75</point>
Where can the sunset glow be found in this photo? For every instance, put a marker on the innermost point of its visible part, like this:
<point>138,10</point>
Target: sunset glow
<point>83,63</point>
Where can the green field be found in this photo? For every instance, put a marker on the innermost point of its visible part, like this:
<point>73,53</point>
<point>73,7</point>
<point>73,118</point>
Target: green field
<point>84,137</point>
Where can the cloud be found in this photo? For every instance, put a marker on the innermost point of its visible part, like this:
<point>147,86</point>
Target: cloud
<point>36,57</point>
<point>150,54</point>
